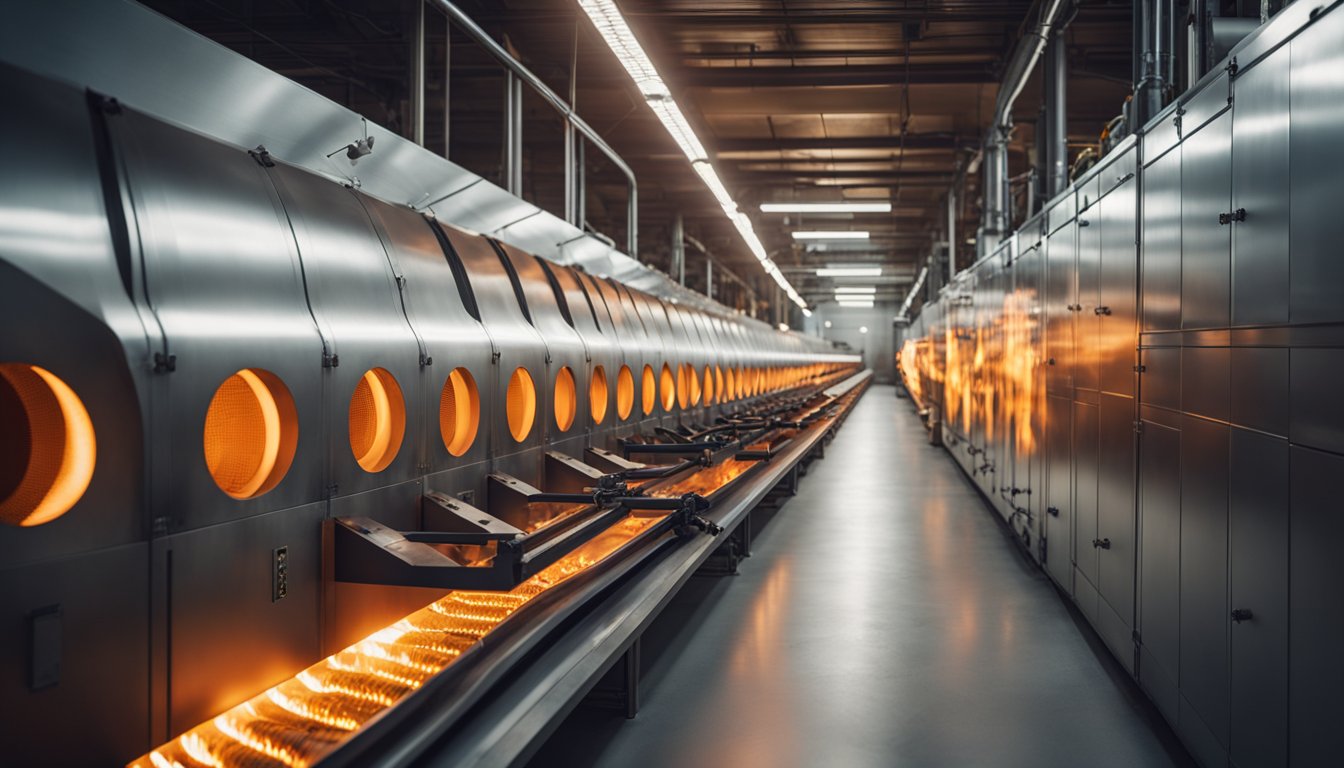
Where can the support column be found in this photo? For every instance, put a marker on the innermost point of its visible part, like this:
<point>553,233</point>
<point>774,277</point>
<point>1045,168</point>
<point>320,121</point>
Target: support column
<point>1056,126</point>
<point>417,90</point>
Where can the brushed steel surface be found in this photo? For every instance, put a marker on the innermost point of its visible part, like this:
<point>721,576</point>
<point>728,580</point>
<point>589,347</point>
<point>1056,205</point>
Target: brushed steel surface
<point>1258,562</point>
<point>1206,180</point>
<point>1060,296</point>
<point>1260,185</point>
<point>1315,156</point>
<point>1160,284</point>
<point>1117,335</point>
<point>1316,411</point>
<point>1203,580</point>
<point>1159,621</point>
<point>1086,450</point>
<point>224,279</point>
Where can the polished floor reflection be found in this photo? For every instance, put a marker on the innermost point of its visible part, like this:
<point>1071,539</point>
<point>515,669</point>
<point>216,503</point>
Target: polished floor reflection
<point>884,619</point>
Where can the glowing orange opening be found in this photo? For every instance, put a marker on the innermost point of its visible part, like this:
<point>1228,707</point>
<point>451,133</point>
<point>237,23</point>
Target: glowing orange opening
<point>566,402</point>
<point>459,411</point>
<point>597,394</point>
<point>667,386</point>
<point>709,385</point>
<point>683,386</point>
<point>625,392</point>
<point>649,390</point>
<point>377,420</point>
<point>251,430</point>
<point>520,404</point>
<point>47,446</point>
<point>718,384</point>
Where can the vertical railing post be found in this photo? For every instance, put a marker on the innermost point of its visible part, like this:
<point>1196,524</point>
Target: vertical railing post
<point>418,75</point>
<point>513,134</point>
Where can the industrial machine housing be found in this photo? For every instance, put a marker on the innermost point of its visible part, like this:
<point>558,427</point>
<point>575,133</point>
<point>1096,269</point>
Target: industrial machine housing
<point>244,389</point>
<point>1143,381</point>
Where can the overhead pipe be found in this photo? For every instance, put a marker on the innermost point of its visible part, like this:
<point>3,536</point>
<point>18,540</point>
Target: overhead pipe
<point>995,216</point>
<point>1152,61</point>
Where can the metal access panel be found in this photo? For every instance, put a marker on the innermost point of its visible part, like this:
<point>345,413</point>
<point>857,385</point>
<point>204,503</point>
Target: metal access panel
<point>1118,331</point>
<point>1160,561</point>
<point>1258,392</point>
<point>1203,581</point>
<point>1059,490</point>
<point>1206,239</point>
<point>1087,350</point>
<point>1115,517</point>
<point>1316,411</point>
<point>1260,187</point>
<point>1315,622</point>
<point>239,624</point>
<point>222,273</point>
<point>1206,382</point>
<point>1060,296</point>
<point>1258,559</point>
<point>74,672</point>
<point>356,300</point>
<point>1316,155</point>
<point>1085,448</point>
<point>1160,284</point>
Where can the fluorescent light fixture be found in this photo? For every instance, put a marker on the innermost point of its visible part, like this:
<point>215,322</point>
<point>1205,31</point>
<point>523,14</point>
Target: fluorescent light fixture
<point>855,289</point>
<point>830,234</point>
<point>825,207</point>
<point>849,272</point>
<point>856,304</point>
<point>610,24</point>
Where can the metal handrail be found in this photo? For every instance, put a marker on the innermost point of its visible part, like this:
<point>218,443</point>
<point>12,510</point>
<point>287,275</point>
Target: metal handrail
<point>560,105</point>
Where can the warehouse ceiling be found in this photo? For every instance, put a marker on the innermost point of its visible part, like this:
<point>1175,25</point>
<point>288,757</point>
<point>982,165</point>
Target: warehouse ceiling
<point>796,100</point>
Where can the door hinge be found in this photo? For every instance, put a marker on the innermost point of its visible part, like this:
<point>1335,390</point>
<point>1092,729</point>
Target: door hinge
<point>1138,427</point>
<point>1232,69</point>
<point>1140,368</point>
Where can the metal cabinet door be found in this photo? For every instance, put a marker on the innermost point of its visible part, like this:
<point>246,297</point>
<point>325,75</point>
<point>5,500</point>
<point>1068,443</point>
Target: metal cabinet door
<point>1316,154</point>
<point>1119,271</point>
<point>1315,665</point>
<point>1204,610</point>
<point>1059,490</point>
<point>1261,188</point>
<point>1085,446</point>
<point>1161,281</point>
<point>1060,291</point>
<point>1206,241</point>
<point>1258,558</point>
<point>1086,339</point>
<point>1160,565</point>
<point>1115,507</point>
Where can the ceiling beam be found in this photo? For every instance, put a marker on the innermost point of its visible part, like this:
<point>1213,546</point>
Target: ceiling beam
<point>867,74</point>
<point>912,141</point>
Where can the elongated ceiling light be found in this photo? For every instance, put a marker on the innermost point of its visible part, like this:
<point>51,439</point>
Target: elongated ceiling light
<point>830,234</point>
<point>610,24</point>
<point>855,303</point>
<point>825,207</point>
<point>849,272</point>
<point>856,289</point>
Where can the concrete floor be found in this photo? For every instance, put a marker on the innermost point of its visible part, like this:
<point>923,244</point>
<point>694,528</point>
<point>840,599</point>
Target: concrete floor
<point>884,619</point>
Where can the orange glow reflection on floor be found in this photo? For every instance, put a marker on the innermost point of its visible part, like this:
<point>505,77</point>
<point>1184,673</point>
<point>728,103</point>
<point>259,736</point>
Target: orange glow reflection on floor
<point>298,721</point>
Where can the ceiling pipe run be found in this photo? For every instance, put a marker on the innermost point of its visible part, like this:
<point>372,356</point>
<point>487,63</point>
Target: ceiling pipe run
<point>995,217</point>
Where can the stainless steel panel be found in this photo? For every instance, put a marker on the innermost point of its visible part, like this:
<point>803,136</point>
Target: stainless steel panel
<point>1316,155</point>
<point>229,638</point>
<point>515,344</point>
<point>452,338</point>
<point>1161,281</point>
<point>1087,351</point>
<point>1258,558</point>
<point>1206,381</point>
<point>1203,105</point>
<point>1203,583</point>
<point>225,282</point>
<point>1121,166</point>
<point>102,689</point>
<point>1163,135</point>
<point>1115,508</point>
<point>1316,411</point>
<point>1160,562</point>
<point>1315,665</point>
<point>1259,389</point>
<point>1162,377</point>
<point>356,301</point>
<point>1060,295</point>
<point>1206,180</point>
<point>59,275</point>
<point>1260,186</point>
<point>1118,334</point>
<point>1089,191</point>
<point>1062,212</point>
<point>1086,444</point>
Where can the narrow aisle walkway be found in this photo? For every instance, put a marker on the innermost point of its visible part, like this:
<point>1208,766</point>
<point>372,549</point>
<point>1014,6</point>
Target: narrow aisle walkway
<point>884,619</point>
